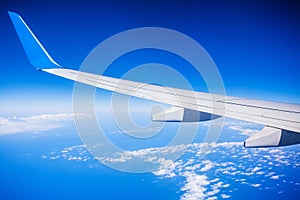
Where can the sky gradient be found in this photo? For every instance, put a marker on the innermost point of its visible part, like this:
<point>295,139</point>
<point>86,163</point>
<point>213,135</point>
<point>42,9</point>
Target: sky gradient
<point>255,45</point>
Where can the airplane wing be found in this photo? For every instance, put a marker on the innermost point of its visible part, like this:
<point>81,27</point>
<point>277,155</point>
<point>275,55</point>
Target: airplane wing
<point>281,120</point>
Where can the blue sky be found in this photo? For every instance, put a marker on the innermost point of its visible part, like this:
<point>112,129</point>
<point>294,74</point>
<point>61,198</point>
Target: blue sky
<point>255,45</point>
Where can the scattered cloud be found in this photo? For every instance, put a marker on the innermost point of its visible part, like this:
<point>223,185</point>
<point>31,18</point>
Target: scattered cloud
<point>225,196</point>
<point>204,177</point>
<point>256,185</point>
<point>275,177</point>
<point>167,168</point>
<point>201,174</point>
<point>208,165</point>
<point>195,186</point>
<point>255,169</point>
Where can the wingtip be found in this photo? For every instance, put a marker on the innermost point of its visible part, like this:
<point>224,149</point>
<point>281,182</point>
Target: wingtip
<point>12,14</point>
<point>36,53</point>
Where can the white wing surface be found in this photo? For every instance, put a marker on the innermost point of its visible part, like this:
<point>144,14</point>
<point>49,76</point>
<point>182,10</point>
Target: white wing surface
<point>281,120</point>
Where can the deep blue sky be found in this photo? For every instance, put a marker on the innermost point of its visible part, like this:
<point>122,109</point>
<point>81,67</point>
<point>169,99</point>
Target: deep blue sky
<point>255,44</point>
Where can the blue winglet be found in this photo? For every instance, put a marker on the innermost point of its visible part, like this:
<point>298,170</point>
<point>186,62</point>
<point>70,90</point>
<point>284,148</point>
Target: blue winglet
<point>35,52</point>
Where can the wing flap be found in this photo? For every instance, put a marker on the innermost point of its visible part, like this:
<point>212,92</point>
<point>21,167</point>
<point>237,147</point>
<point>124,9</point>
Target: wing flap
<point>272,137</point>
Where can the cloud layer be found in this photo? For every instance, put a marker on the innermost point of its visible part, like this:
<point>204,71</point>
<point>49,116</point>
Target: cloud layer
<point>35,123</point>
<point>208,170</point>
<point>226,169</point>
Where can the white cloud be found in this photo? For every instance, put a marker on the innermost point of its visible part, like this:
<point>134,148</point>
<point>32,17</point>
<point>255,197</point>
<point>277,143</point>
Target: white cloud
<point>230,144</point>
<point>256,185</point>
<point>36,123</point>
<point>20,126</point>
<point>276,151</point>
<point>256,169</point>
<point>167,168</point>
<point>225,196</point>
<point>150,130</point>
<point>208,166</point>
<point>3,121</point>
<point>212,198</point>
<point>72,153</point>
<point>275,177</point>
<point>195,186</point>
<point>53,117</point>
<point>242,130</point>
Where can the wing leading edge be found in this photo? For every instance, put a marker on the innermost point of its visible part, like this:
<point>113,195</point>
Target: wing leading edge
<point>282,120</point>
